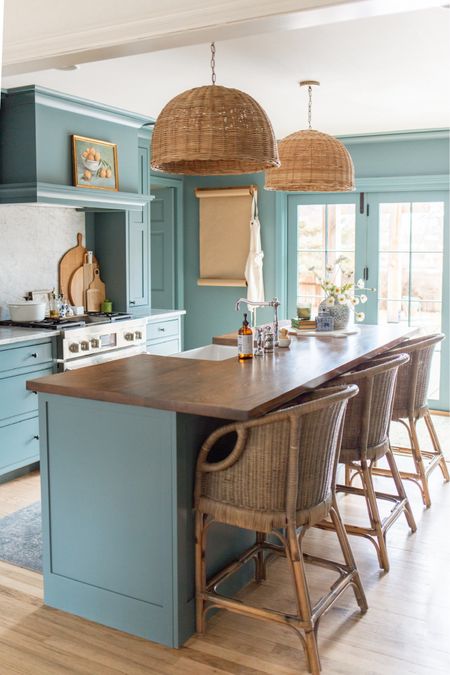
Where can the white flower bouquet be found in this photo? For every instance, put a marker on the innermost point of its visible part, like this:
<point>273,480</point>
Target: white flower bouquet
<point>347,292</point>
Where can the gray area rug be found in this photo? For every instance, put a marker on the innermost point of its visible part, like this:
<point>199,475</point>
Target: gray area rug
<point>21,538</point>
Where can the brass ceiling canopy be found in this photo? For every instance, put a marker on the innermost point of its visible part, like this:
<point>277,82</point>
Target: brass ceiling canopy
<point>213,130</point>
<point>312,161</point>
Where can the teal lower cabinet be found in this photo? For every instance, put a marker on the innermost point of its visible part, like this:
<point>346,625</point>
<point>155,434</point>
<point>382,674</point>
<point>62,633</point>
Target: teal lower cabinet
<point>19,427</point>
<point>164,336</point>
<point>118,526</point>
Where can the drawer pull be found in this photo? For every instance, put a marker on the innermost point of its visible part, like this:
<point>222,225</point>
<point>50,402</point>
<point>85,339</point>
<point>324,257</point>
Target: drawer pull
<point>162,330</point>
<point>132,302</point>
<point>36,438</point>
<point>35,355</point>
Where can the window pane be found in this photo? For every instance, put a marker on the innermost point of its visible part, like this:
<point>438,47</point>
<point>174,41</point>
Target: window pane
<point>426,315</point>
<point>395,227</point>
<point>341,227</point>
<point>427,223</point>
<point>394,276</point>
<point>311,227</point>
<point>426,276</point>
<point>307,285</point>
<point>392,311</point>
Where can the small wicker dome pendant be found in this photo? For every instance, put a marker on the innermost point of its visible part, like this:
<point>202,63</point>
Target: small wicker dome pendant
<point>213,130</point>
<point>312,161</point>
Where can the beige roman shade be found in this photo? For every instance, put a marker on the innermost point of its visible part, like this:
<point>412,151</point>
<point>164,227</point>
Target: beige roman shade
<point>224,234</point>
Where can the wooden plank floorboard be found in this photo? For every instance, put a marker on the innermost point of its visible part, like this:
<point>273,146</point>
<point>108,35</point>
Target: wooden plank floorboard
<point>405,632</point>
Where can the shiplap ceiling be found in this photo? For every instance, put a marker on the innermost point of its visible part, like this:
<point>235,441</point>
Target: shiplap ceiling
<point>380,72</point>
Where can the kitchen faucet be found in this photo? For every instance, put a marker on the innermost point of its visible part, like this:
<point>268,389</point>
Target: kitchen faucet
<point>252,305</point>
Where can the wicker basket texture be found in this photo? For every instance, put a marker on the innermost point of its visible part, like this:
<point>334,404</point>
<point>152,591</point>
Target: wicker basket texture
<point>312,161</point>
<point>213,130</point>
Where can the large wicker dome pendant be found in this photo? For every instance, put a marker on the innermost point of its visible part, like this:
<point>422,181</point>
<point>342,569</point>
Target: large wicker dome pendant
<point>312,161</point>
<point>213,130</point>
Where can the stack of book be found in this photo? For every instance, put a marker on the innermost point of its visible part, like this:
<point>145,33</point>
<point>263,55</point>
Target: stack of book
<point>303,324</point>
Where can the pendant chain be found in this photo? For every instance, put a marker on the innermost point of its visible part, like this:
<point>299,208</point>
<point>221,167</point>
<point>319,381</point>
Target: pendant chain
<point>213,62</point>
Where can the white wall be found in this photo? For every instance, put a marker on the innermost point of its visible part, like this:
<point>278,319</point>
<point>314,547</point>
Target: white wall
<point>32,241</point>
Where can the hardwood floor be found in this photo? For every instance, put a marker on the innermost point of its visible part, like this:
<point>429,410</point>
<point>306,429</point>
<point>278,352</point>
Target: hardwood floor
<point>406,629</point>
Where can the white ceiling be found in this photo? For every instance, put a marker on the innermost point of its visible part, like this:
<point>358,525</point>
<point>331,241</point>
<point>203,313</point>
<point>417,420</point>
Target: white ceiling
<point>377,73</point>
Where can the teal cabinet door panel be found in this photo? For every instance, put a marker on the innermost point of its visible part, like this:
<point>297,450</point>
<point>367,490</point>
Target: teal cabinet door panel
<point>19,445</point>
<point>165,348</point>
<point>163,329</point>
<point>163,248</point>
<point>138,259</point>
<point>128,471</point>
<point>23,357</point>
<point>15,399</point>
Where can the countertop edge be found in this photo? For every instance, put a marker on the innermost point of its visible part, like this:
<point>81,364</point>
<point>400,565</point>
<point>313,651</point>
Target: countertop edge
<point>32,336</point>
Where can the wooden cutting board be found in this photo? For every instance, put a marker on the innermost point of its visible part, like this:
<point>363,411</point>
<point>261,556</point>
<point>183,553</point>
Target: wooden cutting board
<point>88,272</point>
<point>95,294</point>
<point>76,287</point>
<point>69,263</point>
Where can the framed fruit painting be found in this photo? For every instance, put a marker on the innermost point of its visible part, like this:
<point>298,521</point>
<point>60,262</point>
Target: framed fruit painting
<point>94,163</point>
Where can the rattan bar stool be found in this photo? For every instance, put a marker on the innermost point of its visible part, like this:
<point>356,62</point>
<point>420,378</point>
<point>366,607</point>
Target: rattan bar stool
<point>279,474</point>
<point>410,405</point>
<point>365,440</point>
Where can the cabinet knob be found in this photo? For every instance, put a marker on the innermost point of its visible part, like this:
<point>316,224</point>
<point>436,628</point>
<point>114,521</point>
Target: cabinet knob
<point>34,355</point>
<point>161,330</point>
<point>36,437</point>
<point>34,392</point>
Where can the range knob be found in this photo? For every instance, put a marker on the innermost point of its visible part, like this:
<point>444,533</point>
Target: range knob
<point>84,346</point>
<point>138,335</point>
<point>129,337</point>
<point>95,344</point>
<point>74,347</point>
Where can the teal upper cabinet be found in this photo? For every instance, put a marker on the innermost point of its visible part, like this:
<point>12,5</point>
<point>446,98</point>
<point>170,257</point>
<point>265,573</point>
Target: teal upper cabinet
<point>122,244</point>
<point>138,258</point>
<point>36,125</point>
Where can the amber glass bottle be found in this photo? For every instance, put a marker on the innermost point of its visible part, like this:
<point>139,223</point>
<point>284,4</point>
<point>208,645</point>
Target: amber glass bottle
<point>245,341</point>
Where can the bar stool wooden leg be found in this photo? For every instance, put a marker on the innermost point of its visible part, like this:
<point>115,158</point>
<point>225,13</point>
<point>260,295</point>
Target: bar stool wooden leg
<point>436,445</point>
<point>348,556</point>
<point>348,475</point>
<point>295,556</point>
<point>374,515</point>
<point>200,571</point>
<point>418,460</point>
<point>260,564</point>
<point>400,489</point>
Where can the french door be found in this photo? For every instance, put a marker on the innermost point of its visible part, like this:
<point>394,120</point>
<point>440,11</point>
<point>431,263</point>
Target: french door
<point>397,242</point>
<point>408,251</point>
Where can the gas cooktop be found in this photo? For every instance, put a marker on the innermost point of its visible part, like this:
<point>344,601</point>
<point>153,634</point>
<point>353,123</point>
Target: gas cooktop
<point>70,321</point>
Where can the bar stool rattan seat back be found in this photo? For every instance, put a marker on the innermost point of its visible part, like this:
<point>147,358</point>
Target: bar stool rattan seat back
<point>410,405</point>
<point>365,440</point>
<point>278,479</point>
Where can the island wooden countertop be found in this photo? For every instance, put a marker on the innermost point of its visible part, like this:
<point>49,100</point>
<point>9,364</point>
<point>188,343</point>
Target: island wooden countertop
<point>227,389</point>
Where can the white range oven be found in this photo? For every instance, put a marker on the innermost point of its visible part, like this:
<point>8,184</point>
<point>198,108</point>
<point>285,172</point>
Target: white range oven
<point>92,338</point>
<point>98,342</point>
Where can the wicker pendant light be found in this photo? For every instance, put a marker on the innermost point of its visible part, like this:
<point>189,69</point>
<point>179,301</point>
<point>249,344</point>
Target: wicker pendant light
<point>213,130</point>
<point>312,161</point>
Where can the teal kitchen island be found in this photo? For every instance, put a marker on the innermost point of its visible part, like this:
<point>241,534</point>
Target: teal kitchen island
<point>118,447</point>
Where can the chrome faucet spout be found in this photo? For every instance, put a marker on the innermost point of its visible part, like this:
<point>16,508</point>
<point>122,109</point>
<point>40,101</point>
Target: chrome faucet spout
<point>275,303</point>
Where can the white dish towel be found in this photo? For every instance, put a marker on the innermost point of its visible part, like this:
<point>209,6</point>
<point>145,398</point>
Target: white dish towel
<point>254,264</point>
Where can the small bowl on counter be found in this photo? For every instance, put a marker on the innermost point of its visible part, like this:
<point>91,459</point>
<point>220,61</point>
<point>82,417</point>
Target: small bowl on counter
<point>27,310</point>
<point>284,342</point>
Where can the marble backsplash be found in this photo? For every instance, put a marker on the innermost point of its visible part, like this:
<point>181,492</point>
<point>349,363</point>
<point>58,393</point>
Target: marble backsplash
<point>32,241</point>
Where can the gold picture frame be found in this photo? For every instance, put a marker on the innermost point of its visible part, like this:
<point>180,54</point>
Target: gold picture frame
<point>94,164</point>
